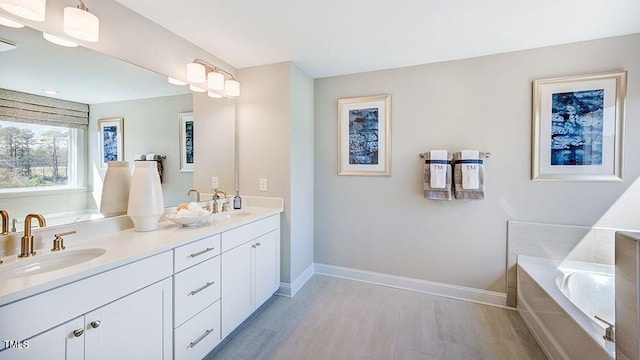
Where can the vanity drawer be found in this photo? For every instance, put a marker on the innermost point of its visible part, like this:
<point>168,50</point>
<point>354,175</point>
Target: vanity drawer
<point>196,288</point>
<point>241,235</point>
<point>198,336</point>
<point>196,252</point>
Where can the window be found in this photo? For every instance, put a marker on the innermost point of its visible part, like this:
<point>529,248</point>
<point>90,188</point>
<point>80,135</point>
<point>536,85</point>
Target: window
<point>39,156</point>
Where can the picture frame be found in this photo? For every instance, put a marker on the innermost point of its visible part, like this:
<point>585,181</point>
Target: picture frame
<point>111,142</point>
<point>364,136</point>
<point>578,127</point>
<point>186,142</point>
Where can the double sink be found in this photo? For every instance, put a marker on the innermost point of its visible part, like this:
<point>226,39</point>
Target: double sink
<point>44,261</point>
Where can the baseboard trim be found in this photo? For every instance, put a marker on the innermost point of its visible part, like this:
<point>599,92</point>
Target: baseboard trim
<point>290,290</point>
<point>429,287</point>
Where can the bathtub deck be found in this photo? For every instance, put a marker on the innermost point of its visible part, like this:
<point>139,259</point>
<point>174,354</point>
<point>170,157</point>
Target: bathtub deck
<point>333,318</point>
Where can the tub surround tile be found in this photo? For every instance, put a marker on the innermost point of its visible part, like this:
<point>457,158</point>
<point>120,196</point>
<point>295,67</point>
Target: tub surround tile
<point>627,255</point>
<point>604,250</point>
<point>564,242</point>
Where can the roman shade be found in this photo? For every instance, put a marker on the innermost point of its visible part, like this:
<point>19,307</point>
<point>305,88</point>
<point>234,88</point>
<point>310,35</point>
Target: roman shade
<point>35,109</point>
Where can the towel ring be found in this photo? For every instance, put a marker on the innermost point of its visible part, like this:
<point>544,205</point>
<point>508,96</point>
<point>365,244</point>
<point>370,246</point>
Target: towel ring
<point>486,155</point>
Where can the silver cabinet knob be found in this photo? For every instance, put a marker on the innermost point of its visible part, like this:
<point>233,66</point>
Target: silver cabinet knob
<point>78,333</point>
<point>95,324</point>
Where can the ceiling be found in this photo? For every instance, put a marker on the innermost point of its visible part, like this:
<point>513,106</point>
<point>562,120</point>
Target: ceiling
<point>336,37</point>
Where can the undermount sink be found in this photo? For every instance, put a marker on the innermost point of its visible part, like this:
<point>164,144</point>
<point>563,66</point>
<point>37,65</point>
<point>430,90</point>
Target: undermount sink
<point>231,214</point>
<point>38,264</point>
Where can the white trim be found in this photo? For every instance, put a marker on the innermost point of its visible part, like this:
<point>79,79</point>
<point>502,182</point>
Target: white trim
<point>429,287</point>
<point>290,290</point>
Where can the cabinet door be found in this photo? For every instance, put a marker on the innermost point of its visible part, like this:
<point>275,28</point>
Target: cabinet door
<point>267,277</point>
<point>138,326</point>
<point>236,287</point>
<point>64,342</point>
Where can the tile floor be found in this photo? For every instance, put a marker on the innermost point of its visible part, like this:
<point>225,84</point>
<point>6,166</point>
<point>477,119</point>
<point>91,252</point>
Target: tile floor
<point>332,318</point>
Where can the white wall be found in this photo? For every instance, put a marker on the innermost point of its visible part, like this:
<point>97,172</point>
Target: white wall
<point>384,224</point>
<point>150,126</point>
<point>301,152</point>
<point>274,119</point>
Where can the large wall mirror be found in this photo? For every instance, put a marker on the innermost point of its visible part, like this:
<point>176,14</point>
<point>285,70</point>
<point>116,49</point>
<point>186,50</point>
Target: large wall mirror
<point>49,170</point>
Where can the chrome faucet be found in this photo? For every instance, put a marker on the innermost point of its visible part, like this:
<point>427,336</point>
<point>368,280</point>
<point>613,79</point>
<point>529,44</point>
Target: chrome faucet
<point>610,331</point>
<point>26,246</point>
<point>215,199</point>
<point>5,221</point>
<point>197,194</point>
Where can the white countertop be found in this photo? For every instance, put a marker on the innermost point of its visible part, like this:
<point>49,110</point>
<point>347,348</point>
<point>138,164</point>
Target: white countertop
<point>122,247</point>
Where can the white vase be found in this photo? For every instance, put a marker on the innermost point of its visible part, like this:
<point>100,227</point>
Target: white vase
<point>146,203</point>
<point>115,189</point>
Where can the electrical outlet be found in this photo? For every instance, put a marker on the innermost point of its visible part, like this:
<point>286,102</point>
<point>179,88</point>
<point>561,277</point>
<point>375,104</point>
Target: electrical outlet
<point>215,183</point>
<point>263,184</point>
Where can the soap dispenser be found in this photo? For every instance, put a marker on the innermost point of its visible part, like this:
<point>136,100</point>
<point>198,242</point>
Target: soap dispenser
<point>237,201</point>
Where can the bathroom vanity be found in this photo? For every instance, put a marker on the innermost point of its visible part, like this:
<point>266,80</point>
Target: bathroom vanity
<point>171,293</point>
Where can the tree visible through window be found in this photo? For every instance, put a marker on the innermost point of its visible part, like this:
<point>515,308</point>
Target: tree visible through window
<point>33,155</point>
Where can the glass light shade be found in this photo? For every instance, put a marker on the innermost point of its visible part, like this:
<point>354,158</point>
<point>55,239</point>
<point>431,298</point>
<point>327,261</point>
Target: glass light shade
<point>214,95</point>
<point>232,88</point>
<point>81,24</point>
<point>10,23</point>
<point>196,73</point>
<point>215,81</point>
<point>28,9</point>
<point>196,89</point>
<point>58,41</point>
<point>176,81</point>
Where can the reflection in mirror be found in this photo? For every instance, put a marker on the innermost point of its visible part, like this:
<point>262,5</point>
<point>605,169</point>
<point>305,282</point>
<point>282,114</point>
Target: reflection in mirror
<point>64,181</point>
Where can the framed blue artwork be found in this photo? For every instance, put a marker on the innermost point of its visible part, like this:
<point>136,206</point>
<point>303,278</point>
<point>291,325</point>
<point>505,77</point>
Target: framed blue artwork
<point>186,142</point>
<point>578,127</point>
<point>364,136</point>
<point>111,132</point>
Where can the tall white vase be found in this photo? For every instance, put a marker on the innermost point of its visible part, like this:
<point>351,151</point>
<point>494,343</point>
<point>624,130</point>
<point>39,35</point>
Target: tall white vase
<point>115,189</point>
<point>146,203</point>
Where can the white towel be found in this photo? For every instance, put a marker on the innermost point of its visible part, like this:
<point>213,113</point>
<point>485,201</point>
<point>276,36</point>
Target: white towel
<point>470,180</point>
<point>438,179</point>
<point>151,156</point>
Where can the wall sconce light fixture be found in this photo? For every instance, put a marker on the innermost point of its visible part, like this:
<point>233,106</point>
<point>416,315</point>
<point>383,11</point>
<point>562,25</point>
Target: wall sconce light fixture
<point>27,9</point>
<point>80,23</point>
<point>200,71</point>
<point>10,23</point>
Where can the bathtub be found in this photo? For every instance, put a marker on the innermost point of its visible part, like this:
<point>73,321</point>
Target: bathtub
<point>558,300</point>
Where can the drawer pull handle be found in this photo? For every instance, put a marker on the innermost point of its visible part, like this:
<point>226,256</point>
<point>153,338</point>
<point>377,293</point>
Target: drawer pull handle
<point>191,345</point>
<point>202,288</point>
<point>95,324</point>
<point>202,252</point>
<point>78,333</point>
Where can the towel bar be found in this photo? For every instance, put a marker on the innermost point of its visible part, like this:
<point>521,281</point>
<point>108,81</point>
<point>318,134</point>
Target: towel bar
<point>486,155</point>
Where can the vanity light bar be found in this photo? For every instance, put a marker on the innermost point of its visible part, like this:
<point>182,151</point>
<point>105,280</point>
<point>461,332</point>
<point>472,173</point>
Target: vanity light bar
<point>200,71</point>
<point>10,23</point>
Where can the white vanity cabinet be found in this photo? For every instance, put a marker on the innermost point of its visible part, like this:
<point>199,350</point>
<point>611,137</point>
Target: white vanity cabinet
<point>250,269</point>
<point>62,342</point>
<point>133,327</point>
<point>197,298</point>
<point>121,313</point>
<point>178,304</point>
